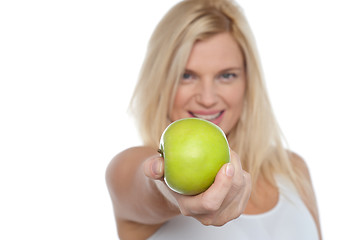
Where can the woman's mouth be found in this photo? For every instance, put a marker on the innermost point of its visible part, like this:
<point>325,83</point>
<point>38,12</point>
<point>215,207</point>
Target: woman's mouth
<point>214,117</point>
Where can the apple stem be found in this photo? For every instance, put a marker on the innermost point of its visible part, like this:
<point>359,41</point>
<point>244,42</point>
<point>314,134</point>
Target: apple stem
<point>161,152</point>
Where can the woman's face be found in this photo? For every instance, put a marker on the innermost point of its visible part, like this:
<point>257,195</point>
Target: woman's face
<point>213,83</point>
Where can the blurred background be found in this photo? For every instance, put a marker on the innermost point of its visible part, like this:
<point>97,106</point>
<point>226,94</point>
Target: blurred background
<point>67,71</point>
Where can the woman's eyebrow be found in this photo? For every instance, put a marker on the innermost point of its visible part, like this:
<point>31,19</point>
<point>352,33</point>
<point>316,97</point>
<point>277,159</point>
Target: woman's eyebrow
<point>222,70</point>
<point>190,71</point>
<point>233,69</point>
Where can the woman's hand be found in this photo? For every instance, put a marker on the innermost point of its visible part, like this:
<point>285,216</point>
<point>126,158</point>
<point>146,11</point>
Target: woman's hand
<point>223,201</point>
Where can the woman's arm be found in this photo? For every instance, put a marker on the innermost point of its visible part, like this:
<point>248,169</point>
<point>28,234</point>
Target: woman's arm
<point>138,205</point>
<point>142,202</point>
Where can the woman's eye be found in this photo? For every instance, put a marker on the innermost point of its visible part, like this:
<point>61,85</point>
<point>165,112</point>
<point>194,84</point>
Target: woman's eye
<point>228,76</point>
<point>187,76</point>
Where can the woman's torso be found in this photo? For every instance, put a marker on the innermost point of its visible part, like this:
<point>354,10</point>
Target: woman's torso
<point>288,219</point>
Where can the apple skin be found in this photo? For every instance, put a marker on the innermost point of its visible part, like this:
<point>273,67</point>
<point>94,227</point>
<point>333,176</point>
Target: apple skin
<point>193,150</point>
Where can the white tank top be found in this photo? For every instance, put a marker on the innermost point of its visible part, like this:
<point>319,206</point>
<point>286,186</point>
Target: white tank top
<point>289,219</point>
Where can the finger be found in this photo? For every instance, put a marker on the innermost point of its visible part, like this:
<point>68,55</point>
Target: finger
<point>213,198</point>
<point>235,160</point>
<point>154,167</point>
<point>238,180</point>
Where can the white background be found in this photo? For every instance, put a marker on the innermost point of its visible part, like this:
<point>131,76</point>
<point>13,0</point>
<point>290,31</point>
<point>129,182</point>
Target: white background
<point>67,71</point>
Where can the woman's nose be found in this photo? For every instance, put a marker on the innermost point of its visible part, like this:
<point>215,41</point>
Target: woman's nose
<point>207,94</point>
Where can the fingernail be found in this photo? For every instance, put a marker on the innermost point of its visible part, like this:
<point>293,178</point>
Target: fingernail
<point>229,170</point>
<point>156,167</point>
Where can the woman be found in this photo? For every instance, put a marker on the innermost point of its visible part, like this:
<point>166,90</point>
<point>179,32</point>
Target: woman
<point>202,62</point>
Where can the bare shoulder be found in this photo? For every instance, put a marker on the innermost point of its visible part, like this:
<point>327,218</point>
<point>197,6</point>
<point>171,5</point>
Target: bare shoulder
<point>306,188</point>
<point>127,189</point>
<point>123,167</point>
<point>300,165</point>
<point>130,157</point>
<point>303,177</point>
<point>134,153</point>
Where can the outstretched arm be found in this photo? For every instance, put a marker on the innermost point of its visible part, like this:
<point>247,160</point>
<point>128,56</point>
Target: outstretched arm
<point>139,207</point>
<point>142,202</point>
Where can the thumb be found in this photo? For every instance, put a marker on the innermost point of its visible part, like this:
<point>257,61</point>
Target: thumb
<point>154,167</point>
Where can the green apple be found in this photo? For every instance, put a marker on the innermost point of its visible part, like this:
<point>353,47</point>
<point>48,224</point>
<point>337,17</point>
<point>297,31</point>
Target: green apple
<point>193,150</point>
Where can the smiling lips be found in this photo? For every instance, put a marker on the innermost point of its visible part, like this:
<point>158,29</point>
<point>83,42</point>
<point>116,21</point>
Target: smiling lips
<point>214,117</point>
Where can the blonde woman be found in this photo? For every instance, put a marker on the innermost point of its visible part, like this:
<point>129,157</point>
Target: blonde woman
<point>202,62</point>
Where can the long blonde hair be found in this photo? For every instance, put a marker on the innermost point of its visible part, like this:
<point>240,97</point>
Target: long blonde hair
<point>256,137</point>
